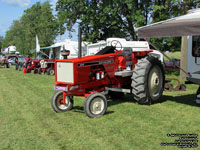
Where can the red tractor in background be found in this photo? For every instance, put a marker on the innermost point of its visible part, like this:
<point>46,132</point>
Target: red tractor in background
<point>110,72</point>
<point>47,65</point>
<point>33,64</point>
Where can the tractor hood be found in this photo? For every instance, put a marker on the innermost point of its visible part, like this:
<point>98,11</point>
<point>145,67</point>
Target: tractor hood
<point>77,71</point>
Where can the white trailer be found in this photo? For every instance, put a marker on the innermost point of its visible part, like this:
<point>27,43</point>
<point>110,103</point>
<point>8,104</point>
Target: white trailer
<point>186,25</point>
<point>55,49</point>
<point>9,50</point>
<point>193,57</point>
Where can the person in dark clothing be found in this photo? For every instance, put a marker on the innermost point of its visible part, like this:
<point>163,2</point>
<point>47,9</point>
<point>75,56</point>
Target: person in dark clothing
<point>17,61</point>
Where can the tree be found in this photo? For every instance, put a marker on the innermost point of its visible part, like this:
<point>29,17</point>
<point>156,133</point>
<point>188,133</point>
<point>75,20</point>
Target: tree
<point>101,19</point>
<point>1,42</point>
<point>37,20</point>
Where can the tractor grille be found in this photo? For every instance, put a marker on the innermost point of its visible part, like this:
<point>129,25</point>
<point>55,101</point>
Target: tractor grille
<point>65,72</point>
<point>43,64</point>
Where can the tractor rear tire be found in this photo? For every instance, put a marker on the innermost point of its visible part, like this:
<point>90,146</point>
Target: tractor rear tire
<point>95,105</point>
<point>58,106</point>
<point>148,80</point>
<point>51,71</point>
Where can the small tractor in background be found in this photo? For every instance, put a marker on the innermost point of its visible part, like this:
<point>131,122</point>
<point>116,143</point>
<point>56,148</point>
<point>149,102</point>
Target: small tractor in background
<point>33,64</point>
<point>110,72</point>
<point>47,65</point>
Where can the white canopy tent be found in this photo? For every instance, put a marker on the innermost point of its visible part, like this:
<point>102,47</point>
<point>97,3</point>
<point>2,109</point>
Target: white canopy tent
<point>185,25</point>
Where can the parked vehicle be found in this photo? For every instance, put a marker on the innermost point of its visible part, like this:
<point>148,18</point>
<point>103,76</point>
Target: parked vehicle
<point>11,60</point>
<point>3,61</point>
<point>47,63</point>
<point>9,50</point>
<point>33,64</point>
<point>110,72</point>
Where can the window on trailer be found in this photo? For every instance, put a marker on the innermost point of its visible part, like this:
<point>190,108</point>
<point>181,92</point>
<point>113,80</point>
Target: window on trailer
<point>196,46</point>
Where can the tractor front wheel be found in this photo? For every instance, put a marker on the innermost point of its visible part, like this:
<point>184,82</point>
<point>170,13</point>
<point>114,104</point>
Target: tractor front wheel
<point>50,71</point>
<point>57,102</point>
<point>95,105</point>
<point>148,80</point>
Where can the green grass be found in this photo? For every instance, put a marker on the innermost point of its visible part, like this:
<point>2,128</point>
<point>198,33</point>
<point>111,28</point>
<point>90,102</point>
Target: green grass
<point>27,121</point>
<point>173,55</point>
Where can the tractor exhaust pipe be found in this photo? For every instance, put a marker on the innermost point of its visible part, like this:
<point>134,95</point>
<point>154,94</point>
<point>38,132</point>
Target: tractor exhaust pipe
<point>79,42</point>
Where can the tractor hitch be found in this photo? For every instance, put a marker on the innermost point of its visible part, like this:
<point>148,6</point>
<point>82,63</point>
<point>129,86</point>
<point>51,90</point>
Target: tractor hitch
<point>169,86</point>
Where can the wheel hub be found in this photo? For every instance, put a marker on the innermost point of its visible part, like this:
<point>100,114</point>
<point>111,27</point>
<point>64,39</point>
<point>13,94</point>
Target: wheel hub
<point>155,81</point>
<point>61,104</point>
<point>51,72</point>
<point>97,106</point>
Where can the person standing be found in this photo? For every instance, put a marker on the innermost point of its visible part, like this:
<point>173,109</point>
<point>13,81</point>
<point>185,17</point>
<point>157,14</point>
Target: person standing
<point>17,60</point>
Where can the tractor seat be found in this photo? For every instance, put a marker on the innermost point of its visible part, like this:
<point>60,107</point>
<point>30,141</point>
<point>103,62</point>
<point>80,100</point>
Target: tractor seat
<point>106,50</point>
<point>127,51</point>
<point>126,61</point>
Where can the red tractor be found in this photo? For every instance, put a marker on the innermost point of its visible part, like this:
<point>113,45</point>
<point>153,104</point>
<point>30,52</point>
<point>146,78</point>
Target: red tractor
<point>111,73</point>
<point>47,65</point>
<point>33,64</point>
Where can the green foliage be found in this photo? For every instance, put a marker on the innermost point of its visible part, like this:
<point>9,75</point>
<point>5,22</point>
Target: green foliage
<point>167,44</point>
<point>37,20</point>
<point>101,19</point>
<point>1,42</point>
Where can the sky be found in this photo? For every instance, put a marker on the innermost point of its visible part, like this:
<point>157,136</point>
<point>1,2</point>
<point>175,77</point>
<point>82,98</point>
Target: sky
<point>11,10</point>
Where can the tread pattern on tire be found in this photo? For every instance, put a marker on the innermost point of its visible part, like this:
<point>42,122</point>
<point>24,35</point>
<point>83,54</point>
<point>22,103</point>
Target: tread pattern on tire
<point>49,70</point>
<point>139,79</point>
<point>87,105</point>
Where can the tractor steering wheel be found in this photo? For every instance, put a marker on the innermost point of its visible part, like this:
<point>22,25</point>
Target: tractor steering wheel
<point>116,44</point>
